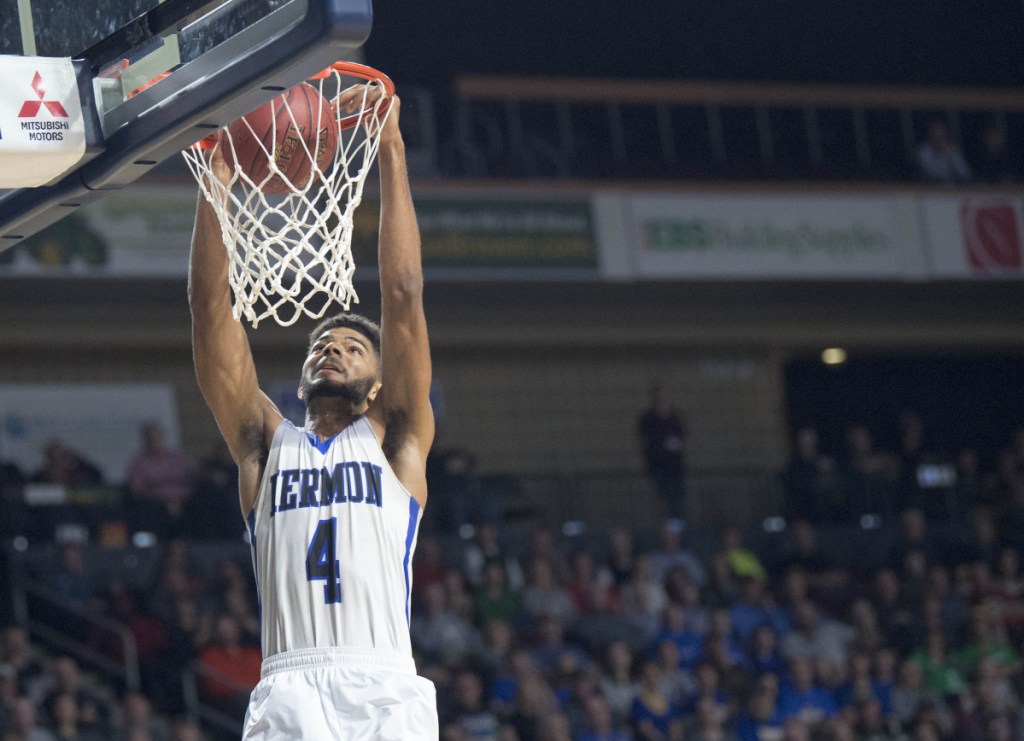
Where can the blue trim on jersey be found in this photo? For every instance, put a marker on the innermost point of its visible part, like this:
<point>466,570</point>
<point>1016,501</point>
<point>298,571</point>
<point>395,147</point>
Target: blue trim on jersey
<point>414,512</point>
<point>324,446</point>
<point>250,520</point>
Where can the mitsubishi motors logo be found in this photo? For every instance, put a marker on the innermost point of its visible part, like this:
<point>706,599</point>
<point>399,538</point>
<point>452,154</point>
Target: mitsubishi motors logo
<point>992,237</point>
<point>30,108</point>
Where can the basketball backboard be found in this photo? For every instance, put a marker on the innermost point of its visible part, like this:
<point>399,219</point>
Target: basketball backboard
<point>157,75</point>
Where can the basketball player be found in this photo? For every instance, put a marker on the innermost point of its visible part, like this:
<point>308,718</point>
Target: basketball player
<point>332,508</point>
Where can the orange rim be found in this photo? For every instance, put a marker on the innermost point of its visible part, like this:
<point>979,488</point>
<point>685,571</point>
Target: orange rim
<point>349,69</point>
<point>363,72</point>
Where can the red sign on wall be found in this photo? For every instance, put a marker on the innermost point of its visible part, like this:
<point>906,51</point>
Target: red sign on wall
<point>992,237</point>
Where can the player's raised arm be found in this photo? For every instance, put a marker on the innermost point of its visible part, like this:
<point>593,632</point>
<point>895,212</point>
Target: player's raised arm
<point>223,360</point>
<point>405,352</point>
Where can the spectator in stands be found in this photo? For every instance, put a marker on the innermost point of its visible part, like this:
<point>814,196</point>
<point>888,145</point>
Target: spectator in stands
<point>230,669</point>
<point>494,655</point>
<point>534,703</point>
<point>486,547</point>
<point>940,159</point>
<point>493,600</point>
<point>577,689</point>
<point>816,638</point>
<point>93,712</point>
<point>936,668</point>
<point>591,591</point>
<point>993,164</point>
<point>8,695</point>
<point>912,537</point>
<point>987,642</point>
<point>754,608</point>
<point>1007,592</point>
<point>554,727</point>
<point>17,652</point>
<point>599,726</point>
<point>861,685</point>
<point>186,730</point>
<point>553,654</point>
<point>982,543</point>
<point>689,645</point>
<point>662,434</point>
<point>66,715</point>
<point>969,491</point>
<point>677,682</point>
<point>990,712</point>
<point>71,580</point>
<point>213,498</point>
<point>543,596</point>
<point>762,718</point>
<point>811,483</point>
<point>621,556</point>
<point>428,566</point>
<point>442,635</point>
<point>709,722</point>
<point>764,656</point>
<point>137,720</point>
<point>709,688</point>
<point>803,698</point>
<point>66,467</point>
<point>188,631</point>
<point>742,561</point>
<point>823,575</point>
<point>910,693</point>
<point>643,600</point>
<point>162,476</point>
<point>469,716</point>
<point>653,717</point>
<point>617,685</point>
<point>869,477</point>
<point>25,722</point>
<point>672,553</point>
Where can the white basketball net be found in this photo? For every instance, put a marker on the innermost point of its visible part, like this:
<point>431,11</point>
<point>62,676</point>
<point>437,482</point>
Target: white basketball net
<point>290,255</point>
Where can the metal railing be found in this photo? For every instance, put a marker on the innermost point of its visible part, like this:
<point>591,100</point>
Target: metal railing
<point>42,610</point>
<point>203,712</point>
<point>600,498</point>
<point>565,127</point>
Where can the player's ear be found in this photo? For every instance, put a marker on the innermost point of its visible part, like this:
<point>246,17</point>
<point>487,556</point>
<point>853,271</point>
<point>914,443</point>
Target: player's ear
<point>298,392</point>
<point>374,390</point>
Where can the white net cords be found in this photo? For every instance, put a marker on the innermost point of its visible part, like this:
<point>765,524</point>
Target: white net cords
<point>290,255</point>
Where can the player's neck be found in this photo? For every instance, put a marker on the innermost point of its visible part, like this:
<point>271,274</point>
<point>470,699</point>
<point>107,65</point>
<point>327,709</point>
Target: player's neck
<point>325,418</point>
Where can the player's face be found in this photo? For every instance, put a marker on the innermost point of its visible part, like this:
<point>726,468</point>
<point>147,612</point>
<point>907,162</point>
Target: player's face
<point>341,363</point>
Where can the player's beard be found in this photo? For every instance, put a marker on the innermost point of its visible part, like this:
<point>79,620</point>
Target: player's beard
<point>354,392</point>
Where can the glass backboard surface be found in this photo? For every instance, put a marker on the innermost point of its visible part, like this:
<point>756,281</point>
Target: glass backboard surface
<point>63,28</point>
<point>162,74</point>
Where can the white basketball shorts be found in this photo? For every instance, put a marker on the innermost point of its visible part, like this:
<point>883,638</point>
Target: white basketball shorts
<point>341,694</point>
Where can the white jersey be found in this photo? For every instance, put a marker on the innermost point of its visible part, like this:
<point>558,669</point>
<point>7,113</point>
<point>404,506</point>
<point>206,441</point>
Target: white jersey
<point>333,533</point>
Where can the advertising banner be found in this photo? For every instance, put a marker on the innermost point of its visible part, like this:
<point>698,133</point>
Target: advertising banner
<point>146,231</point>
<point>503,231</point>
<point>750,236</point>
<point>974,237</point>
<point>42,133</point>
<point>101,422</point>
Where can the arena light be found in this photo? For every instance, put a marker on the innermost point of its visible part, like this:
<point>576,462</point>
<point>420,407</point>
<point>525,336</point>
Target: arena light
<point>833,356</point>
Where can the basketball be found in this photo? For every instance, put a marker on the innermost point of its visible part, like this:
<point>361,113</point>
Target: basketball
<point>295,129</point>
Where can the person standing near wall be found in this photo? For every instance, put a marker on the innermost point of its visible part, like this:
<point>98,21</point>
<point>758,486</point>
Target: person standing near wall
<point>662,434</point>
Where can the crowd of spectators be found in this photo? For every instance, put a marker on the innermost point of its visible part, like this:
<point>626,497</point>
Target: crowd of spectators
<point>530,635</point>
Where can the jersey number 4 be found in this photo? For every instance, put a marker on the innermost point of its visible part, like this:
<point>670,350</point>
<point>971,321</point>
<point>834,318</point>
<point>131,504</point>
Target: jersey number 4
<point>321,562</point>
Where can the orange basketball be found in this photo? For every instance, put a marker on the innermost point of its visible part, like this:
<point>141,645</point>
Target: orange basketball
<point>290,128</point>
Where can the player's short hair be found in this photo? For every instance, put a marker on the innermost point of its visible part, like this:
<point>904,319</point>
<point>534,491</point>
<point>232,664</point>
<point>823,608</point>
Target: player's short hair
<point>357,322</point>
